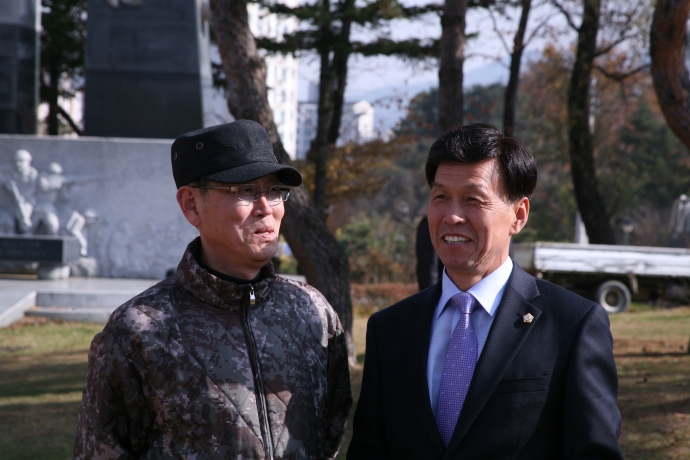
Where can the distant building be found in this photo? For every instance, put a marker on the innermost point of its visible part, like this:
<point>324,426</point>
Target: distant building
<point>357,122</point>
<point>307,116</point>
<point>281,71</point>
<point>306,127</point>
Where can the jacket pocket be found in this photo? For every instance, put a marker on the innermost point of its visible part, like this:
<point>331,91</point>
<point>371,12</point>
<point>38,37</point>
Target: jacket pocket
<point>523,385</point>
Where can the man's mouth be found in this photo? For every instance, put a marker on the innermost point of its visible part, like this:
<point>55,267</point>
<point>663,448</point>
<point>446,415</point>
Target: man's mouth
<point>264,231</point>
<point>454,239</point>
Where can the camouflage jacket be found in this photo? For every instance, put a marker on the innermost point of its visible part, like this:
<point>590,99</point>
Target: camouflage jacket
<point>199,367</point>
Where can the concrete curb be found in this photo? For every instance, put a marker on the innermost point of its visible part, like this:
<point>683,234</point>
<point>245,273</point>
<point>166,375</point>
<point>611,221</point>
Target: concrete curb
<point>14,305</point>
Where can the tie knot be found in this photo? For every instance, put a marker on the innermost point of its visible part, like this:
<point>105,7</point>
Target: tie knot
<point>465,302</point>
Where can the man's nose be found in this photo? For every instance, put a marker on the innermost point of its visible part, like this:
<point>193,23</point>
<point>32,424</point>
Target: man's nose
<point>455,214</point>
<point>262,207</point>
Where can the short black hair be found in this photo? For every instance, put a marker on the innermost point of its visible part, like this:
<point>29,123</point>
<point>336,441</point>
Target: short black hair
<point>480,142</point>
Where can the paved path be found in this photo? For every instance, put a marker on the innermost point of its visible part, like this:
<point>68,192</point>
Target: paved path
<point>72,299</point>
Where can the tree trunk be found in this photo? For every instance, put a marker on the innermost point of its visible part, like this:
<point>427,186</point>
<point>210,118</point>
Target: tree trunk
<point>320,257</point>
<point>589,201</point>
<point>340,71</point>
<point>450,75</point>
<point>341,54</point>
<point>515,61</point>
<point>667,50</point>
<point>334,52</point>
<point>325,112</point>
<point>52,91</point>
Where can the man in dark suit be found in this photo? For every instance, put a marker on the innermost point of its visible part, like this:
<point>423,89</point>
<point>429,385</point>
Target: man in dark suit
<point>489,363</point>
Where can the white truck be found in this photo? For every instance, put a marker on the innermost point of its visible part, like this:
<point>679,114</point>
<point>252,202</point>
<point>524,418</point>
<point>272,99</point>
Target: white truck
<point>610,275</point>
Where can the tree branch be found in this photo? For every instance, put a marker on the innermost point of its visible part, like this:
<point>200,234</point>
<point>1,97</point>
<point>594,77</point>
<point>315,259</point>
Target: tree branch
<point>69,121</point>
<point>413,49</point>
<point>498,32</point>
<point>621,38</point>
<point>621,76</point>
<point>565,13</point>
<point>535,33</point>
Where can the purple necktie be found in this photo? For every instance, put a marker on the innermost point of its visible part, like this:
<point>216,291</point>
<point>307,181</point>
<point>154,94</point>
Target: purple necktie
<point>461,358</point>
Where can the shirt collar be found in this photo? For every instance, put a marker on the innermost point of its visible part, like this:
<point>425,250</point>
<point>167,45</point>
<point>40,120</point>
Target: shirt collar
<point>488,291</point>
<point>214,290</point>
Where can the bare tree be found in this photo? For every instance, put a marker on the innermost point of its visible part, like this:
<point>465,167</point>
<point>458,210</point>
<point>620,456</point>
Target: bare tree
<point>321,259</point>
<point>520,41</point>
<point>583,170</point>
<point>515,61</point>
<point>621,19</point>
<point>669,72</point>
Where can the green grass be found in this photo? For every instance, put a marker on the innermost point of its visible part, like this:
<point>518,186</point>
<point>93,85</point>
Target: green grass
<point>651,350</point>
<point>43,366</point>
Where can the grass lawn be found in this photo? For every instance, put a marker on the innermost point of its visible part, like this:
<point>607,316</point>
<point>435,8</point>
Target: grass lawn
<point>43,367</point>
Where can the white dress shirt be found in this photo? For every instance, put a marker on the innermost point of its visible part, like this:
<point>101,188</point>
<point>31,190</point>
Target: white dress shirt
<point>488,292</point>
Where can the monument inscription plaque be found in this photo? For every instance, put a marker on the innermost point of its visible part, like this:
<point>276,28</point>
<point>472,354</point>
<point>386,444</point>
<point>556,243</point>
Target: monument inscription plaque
<point>45,249</point>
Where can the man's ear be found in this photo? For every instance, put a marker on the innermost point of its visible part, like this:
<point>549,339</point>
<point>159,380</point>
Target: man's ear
<point>521,209</point>
<point>189,202</point>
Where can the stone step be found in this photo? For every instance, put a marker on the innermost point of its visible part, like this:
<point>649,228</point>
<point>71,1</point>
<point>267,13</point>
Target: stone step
<point>89,315</point>
<point>108,299</point>
<point>13,304</point>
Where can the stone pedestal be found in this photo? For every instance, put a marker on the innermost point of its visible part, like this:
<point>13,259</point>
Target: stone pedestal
<point>19,45</point>
<point>145,67</point>
<point>53,253</point>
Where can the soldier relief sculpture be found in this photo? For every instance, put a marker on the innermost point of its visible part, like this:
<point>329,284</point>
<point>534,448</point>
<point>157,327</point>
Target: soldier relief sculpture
<point>37,205</point>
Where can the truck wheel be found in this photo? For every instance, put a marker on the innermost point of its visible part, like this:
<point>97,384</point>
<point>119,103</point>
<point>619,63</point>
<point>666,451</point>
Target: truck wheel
<point>613,295</point>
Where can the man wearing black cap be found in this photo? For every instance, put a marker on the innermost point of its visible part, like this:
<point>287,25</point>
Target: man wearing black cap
<point>223,359</point>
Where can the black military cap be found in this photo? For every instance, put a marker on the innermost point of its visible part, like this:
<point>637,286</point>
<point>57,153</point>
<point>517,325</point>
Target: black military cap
<point>233,153</point>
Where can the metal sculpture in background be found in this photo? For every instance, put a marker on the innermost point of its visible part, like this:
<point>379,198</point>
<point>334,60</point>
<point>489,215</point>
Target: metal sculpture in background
<point>680,223</point>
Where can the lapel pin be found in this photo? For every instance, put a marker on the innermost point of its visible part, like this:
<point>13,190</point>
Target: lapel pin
<point>527,318</point>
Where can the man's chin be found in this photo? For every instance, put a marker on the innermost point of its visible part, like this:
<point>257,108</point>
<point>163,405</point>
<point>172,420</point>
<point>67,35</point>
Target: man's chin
<point>265,253</point>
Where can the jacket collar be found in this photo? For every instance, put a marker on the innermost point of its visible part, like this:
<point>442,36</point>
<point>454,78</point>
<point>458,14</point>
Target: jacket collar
<point>217,292</point>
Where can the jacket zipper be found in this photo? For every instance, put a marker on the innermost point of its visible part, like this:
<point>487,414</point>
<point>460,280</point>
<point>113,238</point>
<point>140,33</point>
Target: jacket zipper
<point>256,371</point>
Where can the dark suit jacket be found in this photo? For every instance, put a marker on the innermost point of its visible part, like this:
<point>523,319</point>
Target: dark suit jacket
<point>544,390</point>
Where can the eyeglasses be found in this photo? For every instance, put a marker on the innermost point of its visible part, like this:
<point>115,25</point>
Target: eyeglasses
<point>249,193</point>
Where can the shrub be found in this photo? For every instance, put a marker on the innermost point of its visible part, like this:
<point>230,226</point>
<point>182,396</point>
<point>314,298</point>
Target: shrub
<point>370,298</point>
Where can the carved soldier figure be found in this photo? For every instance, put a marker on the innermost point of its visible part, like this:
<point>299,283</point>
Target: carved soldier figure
<point>45,216</point>
<point>21,184</point>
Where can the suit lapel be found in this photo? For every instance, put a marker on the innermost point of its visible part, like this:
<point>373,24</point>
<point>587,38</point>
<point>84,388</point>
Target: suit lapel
<point>506,336</point>
<point>416,333</point>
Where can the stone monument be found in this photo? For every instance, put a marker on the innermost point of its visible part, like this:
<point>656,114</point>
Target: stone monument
<point>146,64</point>
<point>19,45</point>
<point>34,204</point>
<point>115,198</point>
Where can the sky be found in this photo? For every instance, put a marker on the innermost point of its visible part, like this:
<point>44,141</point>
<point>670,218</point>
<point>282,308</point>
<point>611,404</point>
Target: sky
<point>389,82</point>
